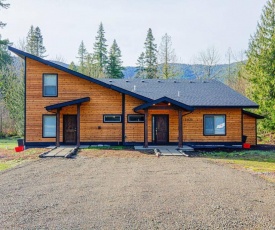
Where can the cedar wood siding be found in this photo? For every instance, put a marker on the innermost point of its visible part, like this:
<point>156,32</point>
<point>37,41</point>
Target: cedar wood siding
<point>103,101</point>
<point>107,101</point>
<point>249,129</point>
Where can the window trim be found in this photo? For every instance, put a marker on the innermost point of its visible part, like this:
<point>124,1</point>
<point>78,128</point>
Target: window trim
<point>43,91</point>
<point>134,121</point>
<point>45,115</point>
<point>204,134</point>
<point>104,115</point>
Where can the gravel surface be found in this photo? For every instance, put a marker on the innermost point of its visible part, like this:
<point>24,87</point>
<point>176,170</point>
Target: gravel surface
<point>133,193</point>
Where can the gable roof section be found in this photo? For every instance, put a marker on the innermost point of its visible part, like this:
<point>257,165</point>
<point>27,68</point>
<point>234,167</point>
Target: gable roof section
<point>67,103</point>
<point>164,99</point>
<point>257,116</point>
<point>23,54</point>
<point>196,94</point>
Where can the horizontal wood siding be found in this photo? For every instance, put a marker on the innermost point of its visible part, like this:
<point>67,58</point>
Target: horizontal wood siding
<point>193,126</point>
<point>249,129</point>
<point>103,101</point>
<point>134,132</point>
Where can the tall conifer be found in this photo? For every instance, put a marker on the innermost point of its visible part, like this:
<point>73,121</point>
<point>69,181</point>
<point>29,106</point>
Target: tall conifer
<point>114,66</point>
<point>35,42</point>
<point>261,67</point>
<point>82,52</point>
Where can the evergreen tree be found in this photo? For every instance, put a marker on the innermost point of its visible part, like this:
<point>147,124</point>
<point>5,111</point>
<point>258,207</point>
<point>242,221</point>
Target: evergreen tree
<point>72,66</point>
<point>5,57</point>
<point>100,51</point>
<point>82,52</point>
<point>114,66</point>
<point>167,59</point>
<point>35,42</point>
<point>140,66</point>
<point>261,68</point>
<point>88,65</point>
<point>150,56</point>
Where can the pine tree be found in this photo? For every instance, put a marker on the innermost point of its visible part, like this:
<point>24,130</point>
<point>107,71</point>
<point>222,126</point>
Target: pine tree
<point>100,51</point>
<point>114,66</point>
<point>82,52</point>
<point>35,42</point>
<point>72,66</point>
<point>150,56</point>
<point>168,59</point>
<point>140,71</point>
<point>261,68</point>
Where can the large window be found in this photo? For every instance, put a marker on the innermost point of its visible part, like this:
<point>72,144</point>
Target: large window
<point>112,118</point>
<point>135,118</point>
<point>50,85</point>
<point>214,125</point>
<point>49,126</point>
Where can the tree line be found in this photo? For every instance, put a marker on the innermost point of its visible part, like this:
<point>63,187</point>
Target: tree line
<point>252,74</point>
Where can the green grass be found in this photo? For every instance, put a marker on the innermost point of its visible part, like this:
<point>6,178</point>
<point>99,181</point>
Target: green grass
<point>254,160</point>
<point>8,164</point>
<point>251,155</point>
<point>8,143</point>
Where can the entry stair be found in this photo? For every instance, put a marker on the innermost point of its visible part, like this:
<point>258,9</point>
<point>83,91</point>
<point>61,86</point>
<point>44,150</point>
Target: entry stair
<point>168,150</point>
<point>66,152</point>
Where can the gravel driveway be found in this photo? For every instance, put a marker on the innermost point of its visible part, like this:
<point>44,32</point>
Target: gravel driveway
<point>134,193</point>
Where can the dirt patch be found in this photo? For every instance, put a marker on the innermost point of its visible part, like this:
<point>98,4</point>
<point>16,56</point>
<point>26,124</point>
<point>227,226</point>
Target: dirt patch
<point>29,154</point>
<point>127,153</point>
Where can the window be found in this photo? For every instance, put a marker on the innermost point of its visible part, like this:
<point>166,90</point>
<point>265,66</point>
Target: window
<point>50,85</point>
<point>214,125</point>
<point>112,118</point>
<point>135,118</point>
<point>49,126</point>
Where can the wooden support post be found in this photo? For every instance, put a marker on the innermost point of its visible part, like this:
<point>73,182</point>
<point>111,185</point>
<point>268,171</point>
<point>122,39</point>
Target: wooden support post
<point>180,129</point>
<point>145,128</point>
<point>78,125</point>
<point>58,128</point>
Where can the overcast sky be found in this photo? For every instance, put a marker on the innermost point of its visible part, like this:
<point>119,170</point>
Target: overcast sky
<point>194,25</point>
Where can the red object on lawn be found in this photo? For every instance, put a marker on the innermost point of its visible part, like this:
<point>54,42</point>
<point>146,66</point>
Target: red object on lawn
<point>19,148</point>
<point>246,146</point>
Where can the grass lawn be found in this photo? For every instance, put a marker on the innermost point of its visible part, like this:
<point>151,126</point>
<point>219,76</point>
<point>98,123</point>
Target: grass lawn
<point>9,158</point>
<point>256,161</point>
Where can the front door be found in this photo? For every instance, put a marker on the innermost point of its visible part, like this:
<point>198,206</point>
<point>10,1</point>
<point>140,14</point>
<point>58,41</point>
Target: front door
<point>70,129</point>
<point>160,129</point>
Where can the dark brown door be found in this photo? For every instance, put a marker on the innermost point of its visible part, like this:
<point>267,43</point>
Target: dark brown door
<point>70,129</point>
<point>161,129</point>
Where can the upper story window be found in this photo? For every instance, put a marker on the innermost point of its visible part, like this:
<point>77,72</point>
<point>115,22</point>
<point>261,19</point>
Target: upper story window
<point>50,85</point>
<point>135,118</point>
<point>214,125</point>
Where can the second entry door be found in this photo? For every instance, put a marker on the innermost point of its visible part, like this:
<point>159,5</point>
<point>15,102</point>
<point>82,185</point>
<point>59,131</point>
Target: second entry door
<point>161,129</point>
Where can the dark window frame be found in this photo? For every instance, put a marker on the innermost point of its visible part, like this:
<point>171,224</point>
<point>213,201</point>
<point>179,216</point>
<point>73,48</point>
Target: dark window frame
<point>104,115</point>
<point>134,121</point>
<point>225,129</point>
<point>47,115</point>
<point>43,86</point>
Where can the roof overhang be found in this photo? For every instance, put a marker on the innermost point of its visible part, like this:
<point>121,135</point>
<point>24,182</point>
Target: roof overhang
<point>165,100</point>
<point>257,116</point>
<point>67,103</point>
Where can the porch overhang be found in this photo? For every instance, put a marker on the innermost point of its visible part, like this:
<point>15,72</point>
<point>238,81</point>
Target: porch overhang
<point>257,116</point>
<point>67,103</point>
<point>164,100</point>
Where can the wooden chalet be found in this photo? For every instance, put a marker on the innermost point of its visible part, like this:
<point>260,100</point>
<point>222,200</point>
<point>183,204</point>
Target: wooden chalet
<point>65,107</point>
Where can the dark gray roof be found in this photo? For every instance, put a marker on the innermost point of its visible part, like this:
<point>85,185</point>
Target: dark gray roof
<point>210,93</point>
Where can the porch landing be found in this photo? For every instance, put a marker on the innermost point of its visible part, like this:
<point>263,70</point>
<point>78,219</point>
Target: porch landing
<point>66,152</point>
<point>170,150</point>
